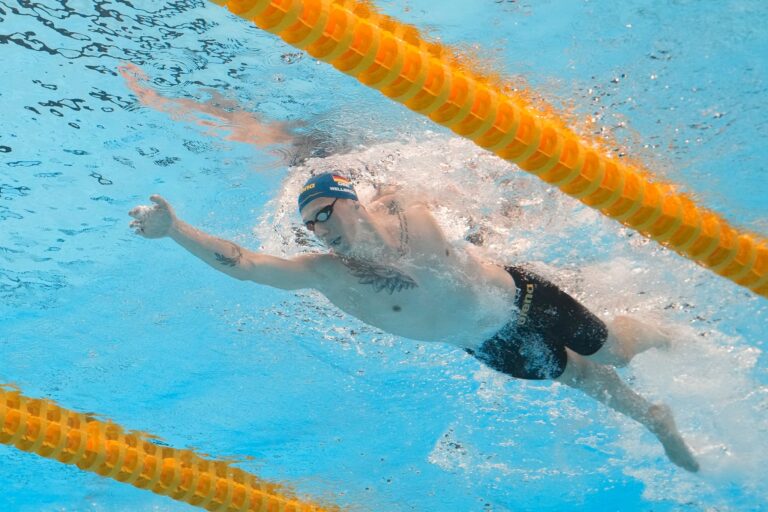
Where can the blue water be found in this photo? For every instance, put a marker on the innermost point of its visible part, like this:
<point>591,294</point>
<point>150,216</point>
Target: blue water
<point>140,332</point>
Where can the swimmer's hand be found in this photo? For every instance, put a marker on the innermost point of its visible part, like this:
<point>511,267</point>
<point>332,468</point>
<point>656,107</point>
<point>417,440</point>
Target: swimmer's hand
<point>153,221</point>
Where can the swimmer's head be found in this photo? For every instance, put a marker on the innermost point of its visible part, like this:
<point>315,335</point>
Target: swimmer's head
<point>330,209</point>
<point>328,184</point>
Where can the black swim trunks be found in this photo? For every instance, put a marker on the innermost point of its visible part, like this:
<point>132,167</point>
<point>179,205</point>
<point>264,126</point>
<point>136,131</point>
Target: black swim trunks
<point>532,346</point>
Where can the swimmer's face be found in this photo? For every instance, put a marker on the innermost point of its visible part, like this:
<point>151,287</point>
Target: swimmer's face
<point>331,220</point>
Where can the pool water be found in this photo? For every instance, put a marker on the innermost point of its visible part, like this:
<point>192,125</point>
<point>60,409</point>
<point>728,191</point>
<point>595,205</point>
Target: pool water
<point>283,384</point>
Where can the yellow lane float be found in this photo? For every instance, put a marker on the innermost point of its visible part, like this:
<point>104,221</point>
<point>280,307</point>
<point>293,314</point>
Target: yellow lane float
<point>46,429</point>
<point>390,56</point>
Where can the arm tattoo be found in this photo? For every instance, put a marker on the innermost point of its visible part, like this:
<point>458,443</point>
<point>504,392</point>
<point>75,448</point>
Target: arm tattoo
<point>379,276</point>
<point>228,261</point>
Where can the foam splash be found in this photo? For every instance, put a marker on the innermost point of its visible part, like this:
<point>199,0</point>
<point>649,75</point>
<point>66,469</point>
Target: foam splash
<point>476,196</point>
<point>708,381</point>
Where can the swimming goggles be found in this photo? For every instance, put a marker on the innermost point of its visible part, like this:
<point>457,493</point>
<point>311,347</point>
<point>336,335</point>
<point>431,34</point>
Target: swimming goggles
<point>322,216</point>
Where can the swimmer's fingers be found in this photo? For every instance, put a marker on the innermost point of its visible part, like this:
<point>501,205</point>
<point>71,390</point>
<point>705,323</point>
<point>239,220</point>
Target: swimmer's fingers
<point>129,68</point>
<point>160,201</point>
<point>138,227</point>
<point>139,212</point>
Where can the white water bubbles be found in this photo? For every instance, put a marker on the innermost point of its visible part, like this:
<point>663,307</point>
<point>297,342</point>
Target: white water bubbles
<point>709,381</point>
<point>476,197</point>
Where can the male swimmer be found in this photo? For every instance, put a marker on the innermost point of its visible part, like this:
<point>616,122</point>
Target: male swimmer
<point>390,265</point>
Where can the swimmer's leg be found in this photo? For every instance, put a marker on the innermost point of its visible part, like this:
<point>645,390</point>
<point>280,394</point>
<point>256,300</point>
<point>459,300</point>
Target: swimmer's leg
<point>628,337</point>
<point>604,385</point>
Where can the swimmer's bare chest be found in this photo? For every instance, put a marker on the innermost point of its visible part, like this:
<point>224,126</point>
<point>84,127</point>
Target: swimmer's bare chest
<point>420,303</point>
<point>431,294</point>
<point>422,288</point>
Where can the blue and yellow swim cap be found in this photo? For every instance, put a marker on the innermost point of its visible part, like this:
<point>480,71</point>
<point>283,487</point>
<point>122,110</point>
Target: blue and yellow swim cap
<point>328,184</point>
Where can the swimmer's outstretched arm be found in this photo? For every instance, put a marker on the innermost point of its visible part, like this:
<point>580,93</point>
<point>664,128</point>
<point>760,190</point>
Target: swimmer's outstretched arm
<point>222,116</point>
<point>160,221</point>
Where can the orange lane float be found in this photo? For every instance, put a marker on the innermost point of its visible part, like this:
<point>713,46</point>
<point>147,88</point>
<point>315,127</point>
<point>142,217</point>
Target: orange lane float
<point>42,427</point>
<point>391,57</point>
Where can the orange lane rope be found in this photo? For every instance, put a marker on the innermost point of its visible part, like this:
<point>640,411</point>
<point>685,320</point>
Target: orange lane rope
<point>391,57</point>
<point>42,427</point>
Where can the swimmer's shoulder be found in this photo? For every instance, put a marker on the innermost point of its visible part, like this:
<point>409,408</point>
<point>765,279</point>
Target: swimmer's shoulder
<point>392,200</point>
<point>324,266</point>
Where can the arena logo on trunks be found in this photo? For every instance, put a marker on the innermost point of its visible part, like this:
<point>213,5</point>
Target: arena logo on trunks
<point>523,317</point>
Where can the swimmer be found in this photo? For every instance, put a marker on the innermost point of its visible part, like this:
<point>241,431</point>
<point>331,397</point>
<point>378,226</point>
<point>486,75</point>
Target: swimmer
<point>390,265</point>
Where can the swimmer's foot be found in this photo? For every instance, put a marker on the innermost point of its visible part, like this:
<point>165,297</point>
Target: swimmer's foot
<point>662,424</point>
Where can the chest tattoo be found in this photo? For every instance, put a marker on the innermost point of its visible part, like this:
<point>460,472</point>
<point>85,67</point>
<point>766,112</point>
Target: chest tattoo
<point>381,277</point>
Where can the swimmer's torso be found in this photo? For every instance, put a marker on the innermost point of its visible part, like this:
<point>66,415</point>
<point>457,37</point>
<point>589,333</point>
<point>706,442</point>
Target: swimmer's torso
<point>425,291</point>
